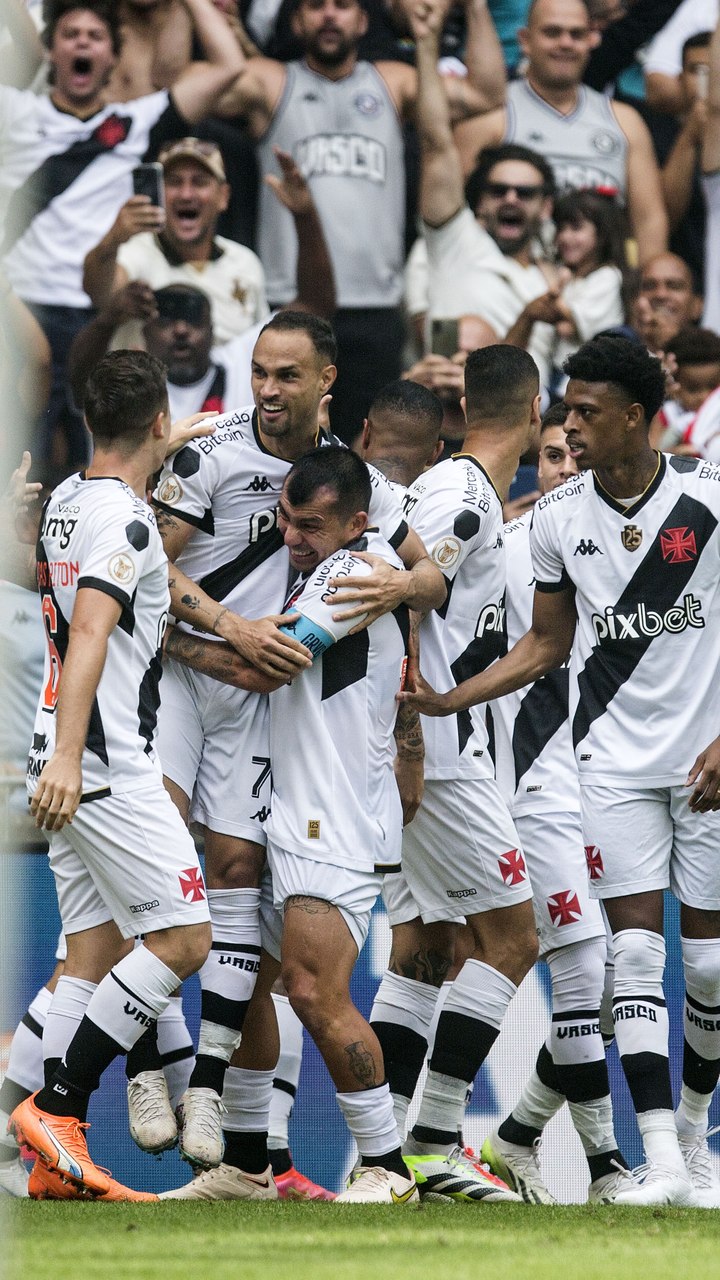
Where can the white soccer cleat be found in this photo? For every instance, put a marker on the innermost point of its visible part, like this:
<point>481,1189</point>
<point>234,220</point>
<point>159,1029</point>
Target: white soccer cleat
<point>13,1178</point>
<point>371,1184</point>
<point>226,1183</point>
<point>518,1166</point>
<point>457,1176</point>
<point>652,1184</point>
<point>604,1190</point>
<point>698,1162</point>
<point>153,1126</point>
<point>199,1115</point>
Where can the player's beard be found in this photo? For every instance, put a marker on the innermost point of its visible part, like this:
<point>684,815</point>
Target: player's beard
<point>330,58</point>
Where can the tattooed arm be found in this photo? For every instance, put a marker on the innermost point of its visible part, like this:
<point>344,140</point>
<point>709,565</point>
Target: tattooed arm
<point>220,661</point>
<point>259,642</point>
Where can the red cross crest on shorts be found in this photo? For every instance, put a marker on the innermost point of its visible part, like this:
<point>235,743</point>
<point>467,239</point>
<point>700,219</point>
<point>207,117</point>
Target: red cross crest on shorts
<point>512,867</point>
<point>192,884</point>
<point>593,857</point>
<point>564,908</point>
<point>678,545</point>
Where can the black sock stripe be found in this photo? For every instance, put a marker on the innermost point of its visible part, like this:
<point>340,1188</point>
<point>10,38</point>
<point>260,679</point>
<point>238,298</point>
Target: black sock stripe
<point>133,994</point>
<point>177,1055</point>
<point>639,999</point>
<point>584,1081</point>
<point>284,1086</point>
<point>236,946</point>
<point>222,1011</point>
<point>577,1015</point>
<point>28,1021</point>
<point>702,1008</point>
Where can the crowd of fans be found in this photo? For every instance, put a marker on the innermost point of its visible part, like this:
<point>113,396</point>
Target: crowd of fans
<point>533,187</point>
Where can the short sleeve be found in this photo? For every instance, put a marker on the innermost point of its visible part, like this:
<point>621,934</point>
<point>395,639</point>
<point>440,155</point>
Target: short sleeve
<point>449,533</point>
<point>186,486</point>
<point>124,548</point>
<point>547,560</point>
<point>385,511</point>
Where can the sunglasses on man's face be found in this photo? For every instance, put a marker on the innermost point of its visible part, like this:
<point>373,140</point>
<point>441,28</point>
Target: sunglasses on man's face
<point>502,189</point>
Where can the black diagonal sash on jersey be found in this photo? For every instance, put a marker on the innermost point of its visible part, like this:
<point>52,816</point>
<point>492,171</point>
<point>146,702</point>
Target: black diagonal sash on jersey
<point>57,173</point>
<point>543,711</point>
<point>222,581</point>
<point>480,653</point>
<point>657,584</point>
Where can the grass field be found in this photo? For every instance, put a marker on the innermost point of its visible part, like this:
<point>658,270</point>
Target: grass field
<point>320,1241</point>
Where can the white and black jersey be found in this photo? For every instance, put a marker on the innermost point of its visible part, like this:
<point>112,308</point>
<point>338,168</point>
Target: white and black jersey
<point>62,181</point>
<point>97,533</point>
<point>644,700</point>
<point>334,795</point>
<point>456,511</point>
<point>227,486</point>
<point>534,760</point>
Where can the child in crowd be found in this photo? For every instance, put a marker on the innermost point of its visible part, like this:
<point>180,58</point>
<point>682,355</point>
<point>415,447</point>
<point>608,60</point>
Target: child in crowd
<point>690,417</point>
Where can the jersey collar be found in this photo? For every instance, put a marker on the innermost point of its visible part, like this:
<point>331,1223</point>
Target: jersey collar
<point>645,496</point>
<point>470,457</point>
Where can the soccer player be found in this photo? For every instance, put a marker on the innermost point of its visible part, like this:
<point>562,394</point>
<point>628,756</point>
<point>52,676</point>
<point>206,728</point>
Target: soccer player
<point>121,857</point>
<point>216,505</point>
<point>641,612</point>
<point>537,774</point>
<point>461,852</point>
<point>336,819</point>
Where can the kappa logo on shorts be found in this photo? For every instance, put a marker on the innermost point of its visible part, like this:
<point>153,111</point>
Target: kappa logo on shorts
<point>138,907</point>
<point>564,908</point>
<point>593,858</point>
<point>512,867</point>
<point>192,885</point>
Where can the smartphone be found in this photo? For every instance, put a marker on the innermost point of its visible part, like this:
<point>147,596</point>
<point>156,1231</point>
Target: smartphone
<point>444,338</point>
<point>147,180</point>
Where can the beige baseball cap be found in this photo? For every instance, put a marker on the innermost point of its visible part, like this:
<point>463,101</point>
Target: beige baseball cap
<point>205,153</point>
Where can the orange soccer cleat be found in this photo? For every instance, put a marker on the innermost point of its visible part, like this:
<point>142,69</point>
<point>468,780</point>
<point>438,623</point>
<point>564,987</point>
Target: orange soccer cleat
<point>49,1184</point>
<point>60,1143</point>
<point>293,1185</point>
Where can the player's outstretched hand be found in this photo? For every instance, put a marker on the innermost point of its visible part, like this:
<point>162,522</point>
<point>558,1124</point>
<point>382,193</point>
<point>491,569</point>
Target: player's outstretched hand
<point>263,644</point>
<point>198,424</point>
<point>427,700</point>
<point>57,794</point>
<point>369,597</point>
<point>704,778</point>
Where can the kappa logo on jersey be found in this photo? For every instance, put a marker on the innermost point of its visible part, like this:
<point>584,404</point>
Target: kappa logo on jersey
<point>121,568</point>
<point>613,625</point>
<point>678,545</point>
<point>192,885</point>
<point>631,537</point>
<point>170,491</point>
<point>564,908</point>
<point>446,552</point>
<point>259,484</point>
<point>593,858</point>
<point>587,548</point>
<point>512,867</point>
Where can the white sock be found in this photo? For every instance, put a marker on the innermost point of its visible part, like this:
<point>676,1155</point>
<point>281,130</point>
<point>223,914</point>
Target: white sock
<point>369,1117</point>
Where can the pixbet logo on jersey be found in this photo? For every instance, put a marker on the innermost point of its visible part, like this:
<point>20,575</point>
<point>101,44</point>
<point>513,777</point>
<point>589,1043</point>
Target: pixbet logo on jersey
<point>614,624</point>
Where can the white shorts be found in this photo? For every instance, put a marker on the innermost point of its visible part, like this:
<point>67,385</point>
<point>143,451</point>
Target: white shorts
<point>555,855</point>
<point>128,858</point>
<point>213,742</point>
<point>354,893</point>
<point>647,838</point>
<point>461,852</point>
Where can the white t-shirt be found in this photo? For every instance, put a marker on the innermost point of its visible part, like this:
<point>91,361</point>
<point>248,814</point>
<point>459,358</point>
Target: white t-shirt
<point>469,275</point>
<point>664,52</point>
<point>534,761</point>
<point>97,533</point>
<point>233,279</point>
<point>644,667</point>
<point>457,513</point>
<point>62,181</point>
<point>332,748</point>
